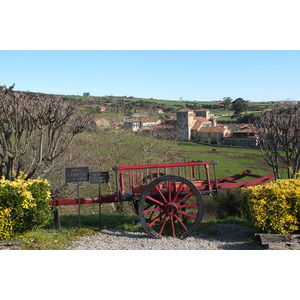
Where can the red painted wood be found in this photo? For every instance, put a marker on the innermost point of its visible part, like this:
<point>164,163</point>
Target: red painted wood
<point>207,185</point>
<point>69,201</point>
<point>164,165</point>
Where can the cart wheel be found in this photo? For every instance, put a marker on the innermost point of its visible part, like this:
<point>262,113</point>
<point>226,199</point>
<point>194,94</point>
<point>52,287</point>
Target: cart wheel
<point>170,206</point>
<point>149,178</point>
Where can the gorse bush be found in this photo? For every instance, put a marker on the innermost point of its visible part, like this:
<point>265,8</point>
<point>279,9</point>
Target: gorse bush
<point>24,206</point>
<point>274,206</point>
<point>6,226</point>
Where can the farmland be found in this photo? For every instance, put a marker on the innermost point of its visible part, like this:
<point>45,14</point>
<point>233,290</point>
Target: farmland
<point>101,149</point>
<point>231,160</point>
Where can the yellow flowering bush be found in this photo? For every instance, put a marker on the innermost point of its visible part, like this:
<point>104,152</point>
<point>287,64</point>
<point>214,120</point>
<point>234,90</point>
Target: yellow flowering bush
<point>274,207</point>
<point>24,205</point>
<point>6,224</point>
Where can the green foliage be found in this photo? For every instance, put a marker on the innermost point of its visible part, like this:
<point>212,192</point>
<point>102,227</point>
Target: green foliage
<point>274,207</point>
<point>228,203</point>
<point>24,206</point>
<point>239,105</point>
<point>248,118</point>
<point>49,239</point>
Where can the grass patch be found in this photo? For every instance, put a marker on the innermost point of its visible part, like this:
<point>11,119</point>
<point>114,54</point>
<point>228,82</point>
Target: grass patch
<point>108,220</point>
<point>231,160</point>
<point>50,239</point>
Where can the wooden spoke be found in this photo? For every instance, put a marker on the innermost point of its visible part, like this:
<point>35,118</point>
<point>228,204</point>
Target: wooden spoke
<point>177,212</point>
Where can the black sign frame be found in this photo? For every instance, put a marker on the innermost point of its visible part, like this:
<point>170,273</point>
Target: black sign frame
<point>98,177</point>
<point>77,174</point>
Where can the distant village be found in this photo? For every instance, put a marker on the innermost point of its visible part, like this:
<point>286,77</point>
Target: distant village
<point>187,125</point>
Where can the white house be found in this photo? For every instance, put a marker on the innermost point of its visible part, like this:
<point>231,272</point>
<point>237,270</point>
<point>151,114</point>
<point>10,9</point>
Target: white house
<point>132,124</point>
<point>135,125</point>
<point>149,123</point>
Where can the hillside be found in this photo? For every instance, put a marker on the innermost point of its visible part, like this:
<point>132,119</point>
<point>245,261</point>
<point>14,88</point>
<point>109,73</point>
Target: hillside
<point>126,106</point>
<point>101,149</point>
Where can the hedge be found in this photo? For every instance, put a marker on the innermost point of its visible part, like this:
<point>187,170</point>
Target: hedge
<point>24,206</point>
<point>274,207</point>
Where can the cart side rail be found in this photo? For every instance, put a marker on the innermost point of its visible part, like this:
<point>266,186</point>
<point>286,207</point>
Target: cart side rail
<point>133,176</point>
<point>74,201</point>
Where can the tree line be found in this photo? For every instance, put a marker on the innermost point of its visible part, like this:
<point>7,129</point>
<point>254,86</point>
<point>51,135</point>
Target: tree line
<point>37,130</point>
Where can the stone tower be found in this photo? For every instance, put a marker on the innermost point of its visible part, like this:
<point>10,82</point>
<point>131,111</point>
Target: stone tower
<point>184,123</point>
<point>213,121</point>
<point>203,113</point>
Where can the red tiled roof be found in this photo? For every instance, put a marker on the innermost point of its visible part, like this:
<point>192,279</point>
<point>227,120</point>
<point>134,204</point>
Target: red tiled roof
<point>196,125</point>
<point>201,119</point>
<point>246,130</point>
<point>184,109</point>
<point>244,136</point>
<point>96,119</point>
<point>212,129</point>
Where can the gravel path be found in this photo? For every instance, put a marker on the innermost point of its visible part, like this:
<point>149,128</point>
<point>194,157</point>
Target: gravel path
<point>230,237</point>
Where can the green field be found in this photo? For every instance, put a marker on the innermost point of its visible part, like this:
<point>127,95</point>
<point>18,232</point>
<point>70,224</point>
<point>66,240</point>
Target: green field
<point>103,150</point>
<point>231,160</point>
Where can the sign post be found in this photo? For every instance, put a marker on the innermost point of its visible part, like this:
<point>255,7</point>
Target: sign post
<point>79,174</point>
<point>99,177</point>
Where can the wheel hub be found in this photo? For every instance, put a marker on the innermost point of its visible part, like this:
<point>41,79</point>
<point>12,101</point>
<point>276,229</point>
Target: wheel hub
<point>170,208</point>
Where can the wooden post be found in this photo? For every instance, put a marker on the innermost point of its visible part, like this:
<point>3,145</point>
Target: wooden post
<point>56,218</point>
<point>79,204</point>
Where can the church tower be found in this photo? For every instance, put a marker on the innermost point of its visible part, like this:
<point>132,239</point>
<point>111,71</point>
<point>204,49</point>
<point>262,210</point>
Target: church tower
<point>184,123</point>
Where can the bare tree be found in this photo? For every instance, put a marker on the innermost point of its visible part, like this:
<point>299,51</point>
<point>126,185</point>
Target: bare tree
<point>278,134</point>
<point>35,132</point>
<point>154,143</point>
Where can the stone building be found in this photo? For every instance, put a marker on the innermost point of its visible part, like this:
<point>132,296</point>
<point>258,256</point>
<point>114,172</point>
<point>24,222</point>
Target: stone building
<point>210,135</point>
<point>184,123</point>
<point>242,138</point>
<point>101,122</point>
<point>136,124</point>
<point>200,125</point>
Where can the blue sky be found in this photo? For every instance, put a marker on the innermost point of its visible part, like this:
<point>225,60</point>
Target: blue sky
<point>256,75</point>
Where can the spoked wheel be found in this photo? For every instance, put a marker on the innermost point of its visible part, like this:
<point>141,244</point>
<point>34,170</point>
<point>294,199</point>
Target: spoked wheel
<point>170,206</point>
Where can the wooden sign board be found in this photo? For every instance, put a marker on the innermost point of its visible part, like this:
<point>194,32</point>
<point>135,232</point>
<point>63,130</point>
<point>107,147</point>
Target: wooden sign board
<point>77,174</point>
<point>99,177</point>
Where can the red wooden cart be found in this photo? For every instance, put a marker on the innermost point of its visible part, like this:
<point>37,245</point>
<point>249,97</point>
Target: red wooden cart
<point>168,196</point>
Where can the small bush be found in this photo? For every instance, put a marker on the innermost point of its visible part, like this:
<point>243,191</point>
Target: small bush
<point>229,203</point>
<point>274,206</point>
<point>6,224</point>
<point>24,206</point>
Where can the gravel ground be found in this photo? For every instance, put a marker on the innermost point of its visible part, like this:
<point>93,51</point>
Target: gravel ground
<point>230,237</point>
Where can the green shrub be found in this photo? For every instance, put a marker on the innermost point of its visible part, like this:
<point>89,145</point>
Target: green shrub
<point>5,224</point>
<point>228,203</point>
<point>24,206</point>
<point>274,206</point>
